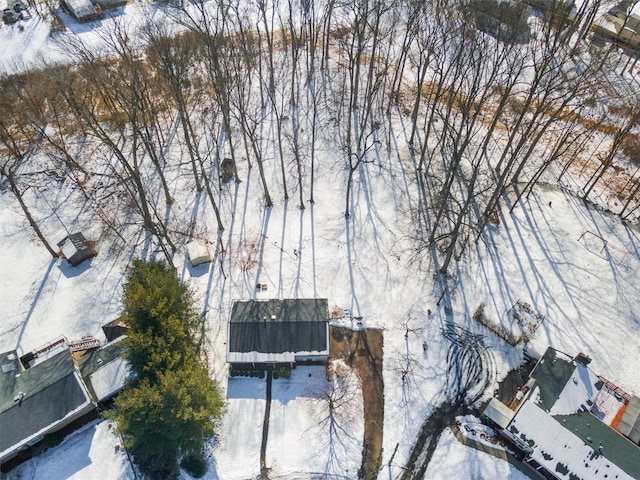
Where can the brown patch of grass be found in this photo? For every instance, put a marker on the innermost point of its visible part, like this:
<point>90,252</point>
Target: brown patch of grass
<point>362,350</point>
<point>631,148</point>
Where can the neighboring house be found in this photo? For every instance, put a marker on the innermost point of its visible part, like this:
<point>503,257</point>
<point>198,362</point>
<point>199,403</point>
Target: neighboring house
<point>269,332</point>
<point>569,423</point>
<point>83,10</point>
<point>39,400</point>
<point>620,25</point>
<point>54,391</point>
<point>76,248</point>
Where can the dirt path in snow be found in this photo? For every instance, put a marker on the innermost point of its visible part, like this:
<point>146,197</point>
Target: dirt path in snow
<point>362,349</point>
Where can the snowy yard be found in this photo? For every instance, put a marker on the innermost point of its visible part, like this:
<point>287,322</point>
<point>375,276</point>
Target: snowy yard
<point>590,305</point>
<point>91,452</point>
<point>573,264</point>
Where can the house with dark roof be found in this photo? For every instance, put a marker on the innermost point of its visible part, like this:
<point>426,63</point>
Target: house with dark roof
<point>269,332</point>
<point>54,391</point>
<point>570,423</point>
<point>39,400</point>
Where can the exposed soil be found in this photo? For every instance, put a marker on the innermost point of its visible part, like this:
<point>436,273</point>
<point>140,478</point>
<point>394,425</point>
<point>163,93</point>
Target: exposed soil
<point>362,350</point>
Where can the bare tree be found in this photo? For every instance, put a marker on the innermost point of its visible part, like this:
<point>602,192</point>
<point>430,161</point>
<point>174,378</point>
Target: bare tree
<point>11,161</point>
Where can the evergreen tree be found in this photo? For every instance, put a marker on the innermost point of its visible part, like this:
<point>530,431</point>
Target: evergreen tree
<point>170,405</point>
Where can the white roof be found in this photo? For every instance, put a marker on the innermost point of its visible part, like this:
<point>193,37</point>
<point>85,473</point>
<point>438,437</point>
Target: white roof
<point>580,391</point>
<point>259,357</point>
<point>499,413</point>
<point>198,252</point>
<point>68,249</point>
<point>81,9</point>
<point>554,444</point>
<point>109,379</point>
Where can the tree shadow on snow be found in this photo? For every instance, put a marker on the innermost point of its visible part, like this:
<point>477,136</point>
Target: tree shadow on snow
<point>70,271</point>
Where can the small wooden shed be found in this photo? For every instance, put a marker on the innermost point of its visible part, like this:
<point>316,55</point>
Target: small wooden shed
<point>76,249</point>
<point>198,252</point>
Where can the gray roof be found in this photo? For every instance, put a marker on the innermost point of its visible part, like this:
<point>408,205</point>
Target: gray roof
<point>552,373</point>
<point>81,250</point>
<point>39,398</point>
<point>279,326</point>
<point>92,363</point>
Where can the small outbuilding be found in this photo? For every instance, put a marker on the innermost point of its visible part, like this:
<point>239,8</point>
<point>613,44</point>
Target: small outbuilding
<point>115,329</point>
<point>499,413</point>
<point>198,252</point>
<point>270,332</point>
<point>83,10</point>
<point>76,249</point>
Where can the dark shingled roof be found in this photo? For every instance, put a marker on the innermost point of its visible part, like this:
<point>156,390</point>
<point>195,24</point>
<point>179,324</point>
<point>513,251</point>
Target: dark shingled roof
<point>51,391</point>
<point>115,329</point>
<point>277,326</point>
<point>83,249</point>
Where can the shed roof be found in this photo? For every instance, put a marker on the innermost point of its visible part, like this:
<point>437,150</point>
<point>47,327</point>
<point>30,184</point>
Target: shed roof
<point>38,399</point>
<point>115,329</point>
<point>198,252</point>
<point>280,329</point>
<point>75,247</point>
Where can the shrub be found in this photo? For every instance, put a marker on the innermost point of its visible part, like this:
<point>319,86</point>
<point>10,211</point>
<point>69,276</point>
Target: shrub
<point>283,371</point>
<point>194,464</point>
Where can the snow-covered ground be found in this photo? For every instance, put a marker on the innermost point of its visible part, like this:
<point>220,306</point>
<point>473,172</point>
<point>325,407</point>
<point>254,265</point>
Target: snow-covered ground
<point>91,452</point>
<point>571,262</point>
<point>31,40</point>
<point>588,297</point>
<point>452,459</point>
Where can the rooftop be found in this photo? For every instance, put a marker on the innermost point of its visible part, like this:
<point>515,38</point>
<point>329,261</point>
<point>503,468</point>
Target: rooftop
<point>562,451</point>
<point>35,399</point>
<point>104,370</point>
<point>277,330</point>
<point>552,373</point>
<point>557,423</point>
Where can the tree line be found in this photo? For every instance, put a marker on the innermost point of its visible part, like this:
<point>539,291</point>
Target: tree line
<point>491,98</point>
